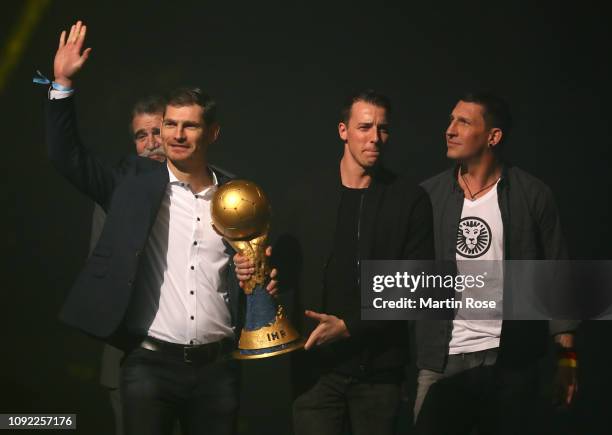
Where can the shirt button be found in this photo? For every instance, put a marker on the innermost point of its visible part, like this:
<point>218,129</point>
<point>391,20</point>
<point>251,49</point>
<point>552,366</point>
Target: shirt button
<point>198,219</point>
<point>191,292</point>
<point>190,341</point>
<point>195,243</point>
<point>192,267</point>
<point>191,317</point>
<point>130,282</point>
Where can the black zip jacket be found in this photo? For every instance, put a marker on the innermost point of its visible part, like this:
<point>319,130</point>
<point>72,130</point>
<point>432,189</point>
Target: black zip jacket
<point>395,223</point>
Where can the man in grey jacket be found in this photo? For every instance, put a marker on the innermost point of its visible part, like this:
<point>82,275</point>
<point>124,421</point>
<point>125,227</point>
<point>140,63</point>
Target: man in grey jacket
<point>482,373</point>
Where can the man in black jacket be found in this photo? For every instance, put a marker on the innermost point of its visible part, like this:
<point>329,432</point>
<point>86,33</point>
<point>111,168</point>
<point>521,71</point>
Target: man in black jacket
<point>347,212</point>
<point>159,282</point>
<point>475,372</point>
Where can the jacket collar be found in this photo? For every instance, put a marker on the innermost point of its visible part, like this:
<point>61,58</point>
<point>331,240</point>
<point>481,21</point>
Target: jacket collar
<point>154,184</point>
<point>380,176</point>
<point>219,176</point>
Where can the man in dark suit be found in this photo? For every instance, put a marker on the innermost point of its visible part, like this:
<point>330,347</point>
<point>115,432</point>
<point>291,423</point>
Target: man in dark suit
<point>159,283</point>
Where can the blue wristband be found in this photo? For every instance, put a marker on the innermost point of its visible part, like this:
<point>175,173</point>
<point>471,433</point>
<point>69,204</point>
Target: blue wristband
<point>61,88</point>
<point>40,79</point>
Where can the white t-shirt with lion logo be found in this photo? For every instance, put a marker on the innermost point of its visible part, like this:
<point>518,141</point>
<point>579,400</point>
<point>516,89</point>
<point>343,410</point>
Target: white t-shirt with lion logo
<point>480,236</point>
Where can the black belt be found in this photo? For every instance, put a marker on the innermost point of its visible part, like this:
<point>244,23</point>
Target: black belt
<point>197,353</point>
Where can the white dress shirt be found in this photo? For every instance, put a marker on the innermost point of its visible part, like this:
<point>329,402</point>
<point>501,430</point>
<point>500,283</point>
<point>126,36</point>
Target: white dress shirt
<point>180,295</point>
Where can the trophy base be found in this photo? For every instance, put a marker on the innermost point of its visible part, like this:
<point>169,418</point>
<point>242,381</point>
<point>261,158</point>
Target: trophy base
<point>296,345</point>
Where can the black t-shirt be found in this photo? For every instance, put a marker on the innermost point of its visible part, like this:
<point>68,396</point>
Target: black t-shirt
<point>341,277</point>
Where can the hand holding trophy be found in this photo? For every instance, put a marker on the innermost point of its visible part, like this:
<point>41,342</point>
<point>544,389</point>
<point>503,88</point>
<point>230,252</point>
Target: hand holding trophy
<point>241,214</point>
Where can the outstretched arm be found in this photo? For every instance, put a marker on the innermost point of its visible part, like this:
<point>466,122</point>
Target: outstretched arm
<point>73,160</point>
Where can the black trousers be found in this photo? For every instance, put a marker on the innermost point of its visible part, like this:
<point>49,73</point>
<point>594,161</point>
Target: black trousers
<point>489,398</point>
<point>339,404</point>
<point>158,389</point>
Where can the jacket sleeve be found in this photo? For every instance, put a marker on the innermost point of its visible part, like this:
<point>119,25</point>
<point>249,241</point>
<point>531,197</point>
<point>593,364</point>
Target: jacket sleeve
<point>71,158</point>
<point>418,245</point>
<point>97,224</point>
<point>554,247</point>
<point>549,226</point>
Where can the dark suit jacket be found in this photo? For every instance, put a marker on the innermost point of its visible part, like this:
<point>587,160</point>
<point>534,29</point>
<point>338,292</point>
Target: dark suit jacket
<point>131,196</point>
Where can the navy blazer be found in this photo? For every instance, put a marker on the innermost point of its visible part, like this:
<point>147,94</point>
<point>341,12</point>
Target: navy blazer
<point>131,195</point>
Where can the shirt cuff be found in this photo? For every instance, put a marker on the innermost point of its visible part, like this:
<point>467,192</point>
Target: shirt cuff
<point>54,94</point>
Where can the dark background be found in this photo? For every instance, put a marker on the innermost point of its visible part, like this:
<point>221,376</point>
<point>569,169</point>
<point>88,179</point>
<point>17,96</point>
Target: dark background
<point>279,72</point>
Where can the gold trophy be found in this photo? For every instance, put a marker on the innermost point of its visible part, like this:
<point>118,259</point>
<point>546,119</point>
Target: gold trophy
<point>241,214</point>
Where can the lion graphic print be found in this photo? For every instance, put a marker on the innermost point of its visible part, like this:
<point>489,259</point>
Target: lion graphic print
<point>473,237</point>
<point>479,249</point>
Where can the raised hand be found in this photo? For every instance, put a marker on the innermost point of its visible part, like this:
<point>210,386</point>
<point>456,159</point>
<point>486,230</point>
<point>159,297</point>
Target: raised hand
<point>68,58</point>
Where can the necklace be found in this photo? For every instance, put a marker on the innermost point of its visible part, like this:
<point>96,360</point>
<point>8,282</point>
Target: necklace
<point>473,195</point>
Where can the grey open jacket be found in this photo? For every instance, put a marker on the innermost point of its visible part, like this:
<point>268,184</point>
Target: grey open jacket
<point>532,231</point>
